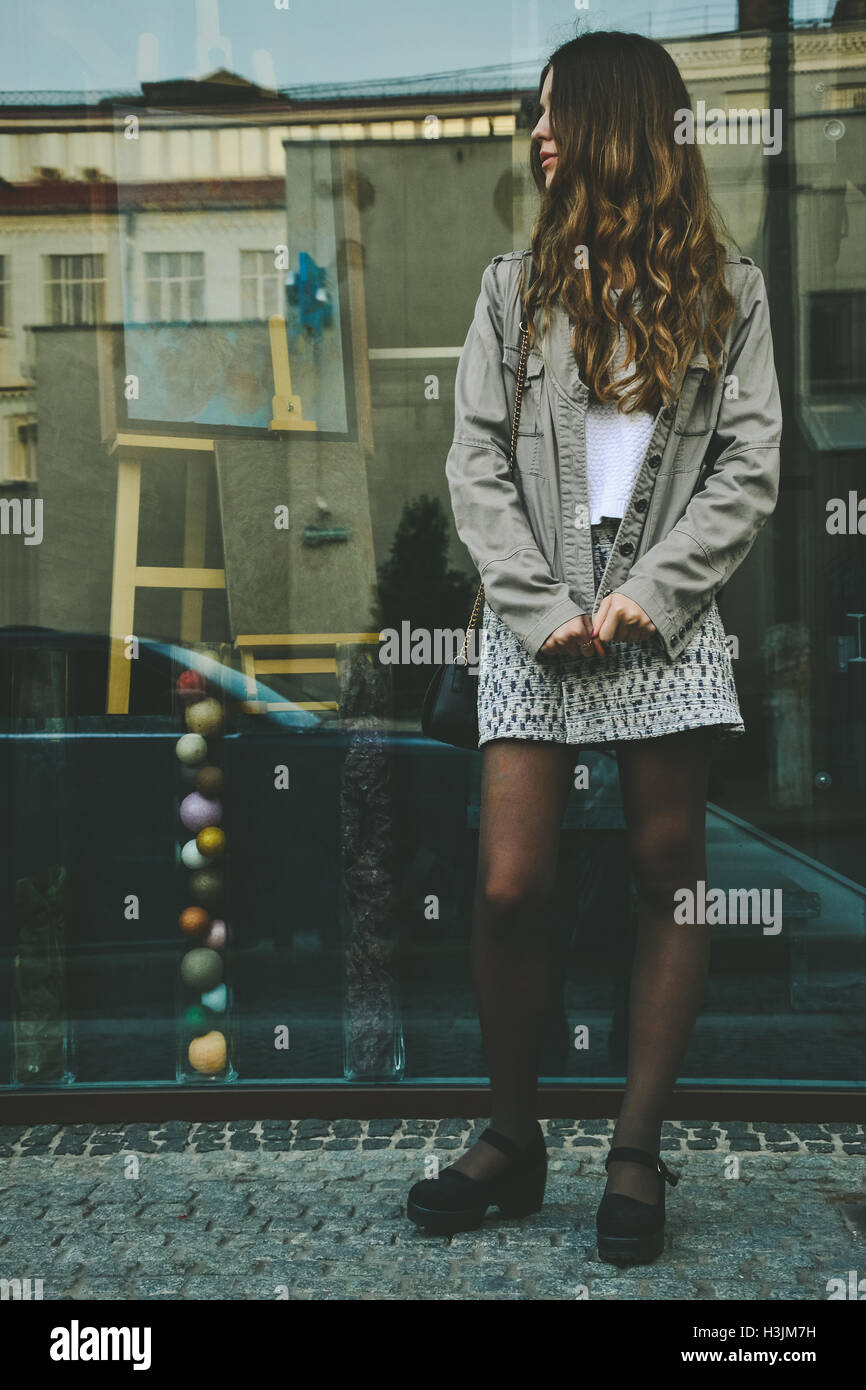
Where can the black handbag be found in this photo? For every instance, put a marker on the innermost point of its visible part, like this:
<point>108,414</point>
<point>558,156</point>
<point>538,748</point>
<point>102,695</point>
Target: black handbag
<point>449,713</point>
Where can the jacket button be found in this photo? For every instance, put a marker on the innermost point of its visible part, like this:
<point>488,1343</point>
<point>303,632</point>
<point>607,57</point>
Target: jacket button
<point>688,624</point>
<point>655,460</point>
<point>641,504</point>
<point>626,548</point>
<point>682,630</point>
<point>674,640</point>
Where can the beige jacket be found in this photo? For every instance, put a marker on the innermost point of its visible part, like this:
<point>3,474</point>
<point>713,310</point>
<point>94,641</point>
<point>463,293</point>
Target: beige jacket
<point>707,484</point>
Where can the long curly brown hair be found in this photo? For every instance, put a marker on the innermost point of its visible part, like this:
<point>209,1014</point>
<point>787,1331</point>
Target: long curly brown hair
<point>638,201</point>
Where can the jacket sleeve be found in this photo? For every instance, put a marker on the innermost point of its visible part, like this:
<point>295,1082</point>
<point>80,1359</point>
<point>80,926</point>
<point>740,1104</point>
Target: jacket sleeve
<point>488,512</point>
<point>675,580</point>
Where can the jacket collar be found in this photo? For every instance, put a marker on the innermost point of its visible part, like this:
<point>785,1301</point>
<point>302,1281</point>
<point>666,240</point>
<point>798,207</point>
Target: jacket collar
<point>558,357</point>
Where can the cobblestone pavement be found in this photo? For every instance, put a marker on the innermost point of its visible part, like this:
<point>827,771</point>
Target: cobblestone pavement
<point>315,1209</point>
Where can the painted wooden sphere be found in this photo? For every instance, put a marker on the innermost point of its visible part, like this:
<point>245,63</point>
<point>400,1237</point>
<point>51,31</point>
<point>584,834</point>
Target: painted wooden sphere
<point>197,811</point>
<point>209,781</point>
<point>208,1053</point>
<point>191,685</point>
<point>216,999</point>
<point>201,969</point>
<point>199,1019</point>
<point>217,936</point>
<point>191,749</point>
<point>205,889</point>
<point>211,842</point>
<point>194,921</point>
<point>205,717</point>
<point>192,856</point>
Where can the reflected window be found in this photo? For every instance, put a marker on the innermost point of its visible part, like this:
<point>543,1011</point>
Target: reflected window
<point>18,450</point>
<point>261,285</point>
<point>837,340</point>
<point>4,293</point>
<point>174,285</point>
<point>75,289</point>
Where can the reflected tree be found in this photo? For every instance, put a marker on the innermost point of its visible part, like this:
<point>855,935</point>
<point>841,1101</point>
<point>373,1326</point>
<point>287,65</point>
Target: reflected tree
<point>417,586</point>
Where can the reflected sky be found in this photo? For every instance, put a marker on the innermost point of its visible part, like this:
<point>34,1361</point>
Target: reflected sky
<point>100,45</point>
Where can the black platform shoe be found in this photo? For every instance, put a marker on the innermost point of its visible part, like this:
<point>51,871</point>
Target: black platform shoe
<point>455,1202</point>
<point>630,1231</point>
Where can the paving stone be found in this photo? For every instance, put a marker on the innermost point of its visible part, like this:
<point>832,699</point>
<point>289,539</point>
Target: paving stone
<point>40,1136</point>
<point>313,1129</point>
<point>382,1129</point>
<point>344,1129</point>
<point>73,1141</point>
<point>228,1223</point>
<point>443,1127</point>
<point>12,1134</point>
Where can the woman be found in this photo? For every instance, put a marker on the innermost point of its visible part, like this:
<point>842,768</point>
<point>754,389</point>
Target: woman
<point>647,461</point>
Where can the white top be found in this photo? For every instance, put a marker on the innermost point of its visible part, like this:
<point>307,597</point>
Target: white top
<point>615,447</point>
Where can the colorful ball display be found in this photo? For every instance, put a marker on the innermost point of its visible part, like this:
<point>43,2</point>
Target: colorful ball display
<point>191,856</point>
<point>205,717</point>
<point>191,749</point>
<point>211,842</point>
<point>191,685</point>
<point>194,921</point>
<point>201,813</point>
<point>197,811</point>
<point>208,1053</point>
<point>216,999</point>
<point>201,969</point>
<point>199,1019</point>
<point>218,935</point>
<point>209,781</point>
<point>205,889</point>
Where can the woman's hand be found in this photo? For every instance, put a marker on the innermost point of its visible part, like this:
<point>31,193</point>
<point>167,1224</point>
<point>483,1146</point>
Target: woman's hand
<point>572,639</point>
<point>620,619</point>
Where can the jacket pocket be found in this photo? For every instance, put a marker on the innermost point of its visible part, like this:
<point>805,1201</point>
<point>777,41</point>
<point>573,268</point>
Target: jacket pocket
<point>530,405</point>
<point>535,495</point>
<point>698,405</point>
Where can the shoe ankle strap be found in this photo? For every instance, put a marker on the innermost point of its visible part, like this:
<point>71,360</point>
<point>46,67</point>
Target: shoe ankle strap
<point>647,1160</point>
<point>504,1144</point>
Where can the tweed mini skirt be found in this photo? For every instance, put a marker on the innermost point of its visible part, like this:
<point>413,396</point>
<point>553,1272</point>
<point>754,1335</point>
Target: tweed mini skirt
<point>636,693</point>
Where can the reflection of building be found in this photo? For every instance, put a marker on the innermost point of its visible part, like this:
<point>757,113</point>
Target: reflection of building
<point>163,209</point>
<point>167,206</point>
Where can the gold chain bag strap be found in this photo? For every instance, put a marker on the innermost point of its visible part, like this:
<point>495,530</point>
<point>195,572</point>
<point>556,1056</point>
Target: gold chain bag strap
<point>449,713</point>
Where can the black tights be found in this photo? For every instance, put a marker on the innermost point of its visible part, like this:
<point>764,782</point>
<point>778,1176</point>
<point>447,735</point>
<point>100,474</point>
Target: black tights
<point>525,786</point>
